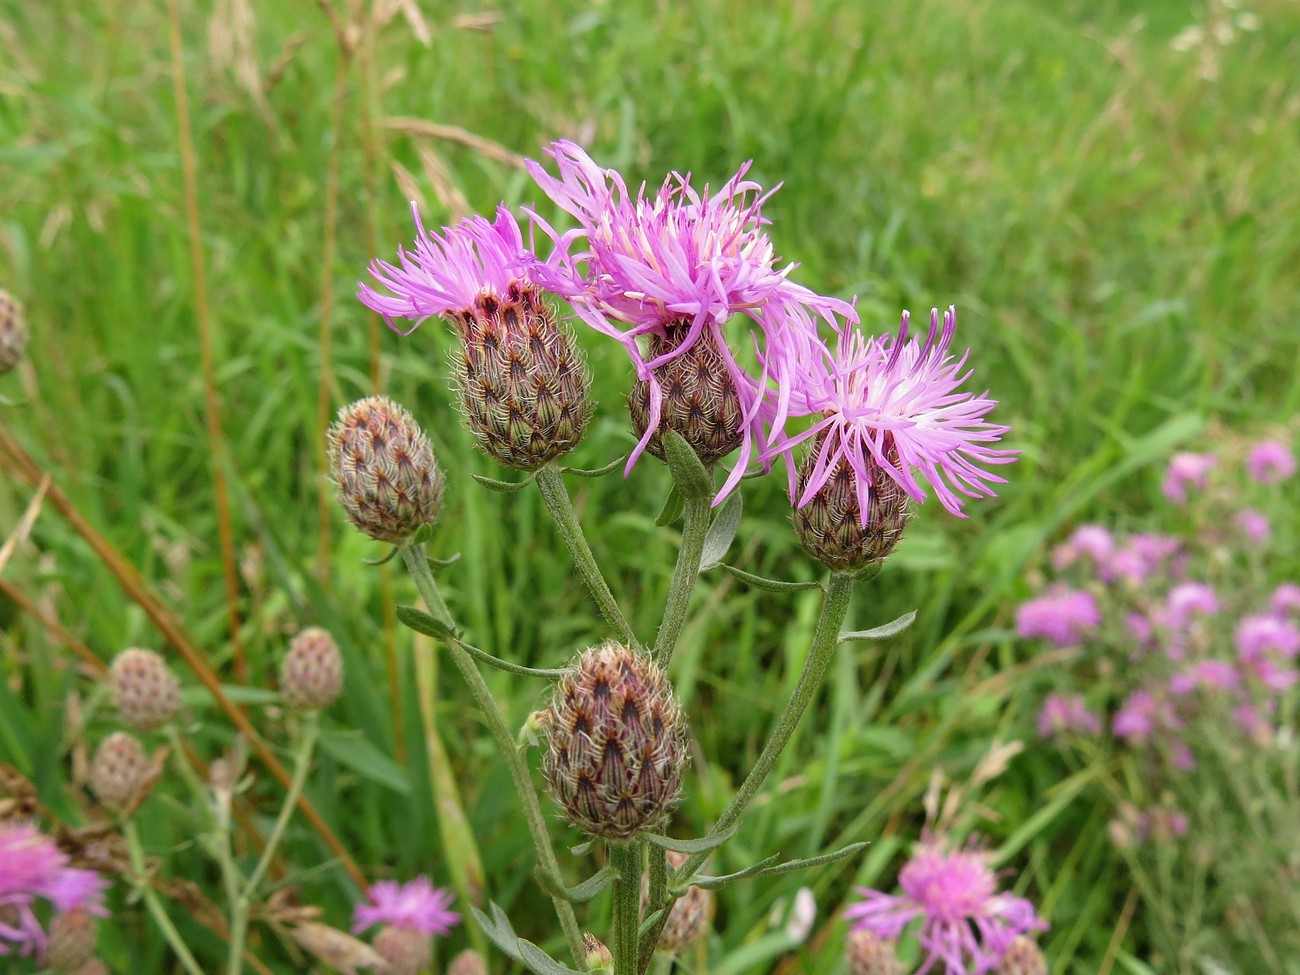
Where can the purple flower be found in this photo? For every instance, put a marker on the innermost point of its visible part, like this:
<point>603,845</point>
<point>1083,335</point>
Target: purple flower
<point>1091,541</point>
<point>1064,616</point>
<point>1286,597</point>
<point>1187,598</point>
<point>681,256</point>
<point>1187,470</point>
<point>1060,714</point>
<point>1270,461</point>
<point>1140,716</point>
<point>32,867</point>
<point>1257,635</point>
<point>416,906</point>
<point>1143,556</point>
<point>1142,629</point>
<point>966,925</point>
<point>892,404</point>
<point>1215,674</point>
<point>1253,524</point>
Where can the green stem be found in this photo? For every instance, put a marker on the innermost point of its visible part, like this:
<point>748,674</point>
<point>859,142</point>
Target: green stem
<point>658,878</point>
<point>626,857</point>
<point>826,637</point>
<point>551,483</point>
<point>418,565</point>
<point>687,570</point>
<point>140,878</point>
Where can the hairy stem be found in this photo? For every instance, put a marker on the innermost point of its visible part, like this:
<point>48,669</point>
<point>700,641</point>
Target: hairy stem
<point>140,878</point>
<point>687,570</point>
<point>626,858</point>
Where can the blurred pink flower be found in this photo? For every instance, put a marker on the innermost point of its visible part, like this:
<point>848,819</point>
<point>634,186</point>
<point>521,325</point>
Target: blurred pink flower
<point>1187,470</point>
<point>417,906</point>
<point>966,925</point>
<point>1140,716</point>
<point>32,867</point>
<point>1257,635</point>
<point>1286,598</point>
<point>1064,616</point>
<point>1187,598</point>
<point>1213,674</point>
<point>1060,714</point>
<point>1270,461</point>
<point>1091,541</point>
<point>1253,524</point>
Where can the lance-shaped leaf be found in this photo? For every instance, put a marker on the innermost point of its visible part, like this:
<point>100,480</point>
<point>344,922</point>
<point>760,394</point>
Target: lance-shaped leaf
<point>721,532</point>
<point>422,622</point>
<point>771,868</point>
<point>597,471</point>
<point>498,929</point>
<point>579,893</point>
<point>502,487</point>
<point>702,845</point>
<point>672,509</point>
<point>443,563</point>
<point>689,472</point>
<point>881,632</point>
<point>540,962</point>
<point>392,554</point>
<point>771,585</point>
<point>713,883</point>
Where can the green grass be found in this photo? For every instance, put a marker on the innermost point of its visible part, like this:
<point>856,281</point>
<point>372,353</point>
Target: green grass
<point>1118,234</point>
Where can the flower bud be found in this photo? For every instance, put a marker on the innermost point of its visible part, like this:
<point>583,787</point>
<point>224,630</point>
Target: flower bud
<point>116,769</point>
<point>690,914</point>
<point>616,745</point>
<point>13,331</point>
<point>699,396</point>
<point>870,954</point>
<point>523,382</point>
<point>468,962</point>
<point>406,951</point>
<point>599,958</point>
<point>311,675</point>
<point>145,692</point>
<point>335,948</point>
<point>382,462</point>
<point>1022,957</point>
<point>71,941</point>
<point>93,967</point>
<point>830,525</point>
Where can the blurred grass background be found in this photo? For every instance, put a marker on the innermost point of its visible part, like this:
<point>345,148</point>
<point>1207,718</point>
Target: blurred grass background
<point>1114,216</point>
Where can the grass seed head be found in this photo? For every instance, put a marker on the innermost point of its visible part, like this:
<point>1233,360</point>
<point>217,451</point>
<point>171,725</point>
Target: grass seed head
<point>13,331</point>
<point>145,692</point>
<point>115,771</point>
<point>405,950</point>
<point>870,954</point>
<point>382,462</point>
<point>311,676</point>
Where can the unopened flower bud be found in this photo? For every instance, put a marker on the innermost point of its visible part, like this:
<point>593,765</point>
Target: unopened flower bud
<point>382,462</point>
<point>690,914</point>
<point>830,524</point>
<point>468,962</point>
<point>699,396</point>
<point>311,675</point>
<point>870,954</point>
<point>616,745</point>
<point>405,950</point>
<point>522,379</point>
<point>119,762</point>
<point>71,941</point>
<point>599,958</point>
<point>1022,957</point>
<point>145,692</point>
<point>13,331</point>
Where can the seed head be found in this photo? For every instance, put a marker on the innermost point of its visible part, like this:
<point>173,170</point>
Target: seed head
<point>690,915</point>
<point>72,940</point>
<point>599,957</point>
<point>115,771</point>
<point>388,481</point>
<point>468,962</point>
<point>830,525</point>
<point>698,395</point>
<point>13,331</point>
<point>145,692</point>
<point>336,949</point>
<point>406,951</point>
<point>311,675</point>
<point>870,954</point>
<point>616,746</point>
<point>1022,957</point>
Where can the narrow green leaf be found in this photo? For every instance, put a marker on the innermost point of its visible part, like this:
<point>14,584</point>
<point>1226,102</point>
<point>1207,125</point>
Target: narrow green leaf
<point>703,845</point>
<point>713,883</point>
<point>689,473</point>
<point>422,622</point>
<point>672,509</point>
<point>392,554</point>
<point>579,893</point>
<point>889,629</point>
<point>582,849</point>
<point>771,585</point>
<point>540,962</point>
<point>357,753</point>
<point>721,532</point>
<point>502,487</point>
<point>443,563</point>
<point>809,862</point>
<point>595,472</point>
<point>498,929</point>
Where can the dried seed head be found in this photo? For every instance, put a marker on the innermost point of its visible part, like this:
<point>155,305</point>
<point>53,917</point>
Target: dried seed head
<point>405,950</point>
<point>616,745</point>
<point>599,957</point>
<point>13,331</point>
<point>691,914</point>
<point>1022,957</point>
<point>388,481</point>
<point>72,940</point>
<point>145,692</point>
<point>522,379</point>
<point>468,962</point>
<point>830,525</point>
<point>870,954</point>
<point>311,675</point>
<point>115,771</point>
<point>699,396</point>
<point>336,949</point>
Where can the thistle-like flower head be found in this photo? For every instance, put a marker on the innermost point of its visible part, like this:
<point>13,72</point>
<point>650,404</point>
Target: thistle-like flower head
<point>119,762</point>
<point>311,675</point>
<point>13,331</point>
<point>144,690</point>
<point>416,905</point>
<point>32,868</point>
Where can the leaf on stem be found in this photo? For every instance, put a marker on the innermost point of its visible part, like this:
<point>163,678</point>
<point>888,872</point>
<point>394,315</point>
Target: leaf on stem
<point>881,632</point>
<point>595,472</point>
<point>503,487</point>
<point>689,473</point>
<point>579,893</point>
<point>770,868</point>
<point>498,929</point>
<point>771,585</point>
<point>540,962</point>
<point>703,845</point>
<point>443,563</point>
<point>721,533</point>
<point>422,622</point>
<point>672,509</point>
<point>392,554</point>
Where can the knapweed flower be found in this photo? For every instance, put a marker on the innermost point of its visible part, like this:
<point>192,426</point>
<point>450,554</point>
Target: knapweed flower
<point>1265,633</point>
<point>1064,616</point>
<point>1209,674</point>
<point>1060,714</point>
<point>1270,461</point>
<point>1285,599</point>
<point>966,924</point>
<point>1141,715</point>
<point>1142,556</point>
<point>416,905</point>
<point>1088,541</point>
<point>1253,524</point>
<point>523,382</point>
<point>32,868</point>
<point>672,268</point>
<point>1187,470</point>
<point>1188,598</point>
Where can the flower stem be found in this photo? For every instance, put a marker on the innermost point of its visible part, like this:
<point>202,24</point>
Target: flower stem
<point>139,877</point>
<point>418,565</point>
<point>835,606</point>
<point>687,570</point>
<point>551,483</point>
<point>626,858</point>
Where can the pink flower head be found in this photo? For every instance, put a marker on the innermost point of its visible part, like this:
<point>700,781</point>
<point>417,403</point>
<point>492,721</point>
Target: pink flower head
<point>1257,635</point>
<point>1286,598</point>
<point>449,270</point>
<point>1060,714</point>
<point>1188,598</point>
<point>892,403</point>
<point>1212,674</point>
<point>680,255</point>
<point>1187,470</point>
<point>1091,541</point>
<point>1064,616</point>
<point>417,906</point>
<point>1140,716</point>
<point>32,867</point>
<point>1253,524</point>
<point>1270,461</point>
<point>966,925</point>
